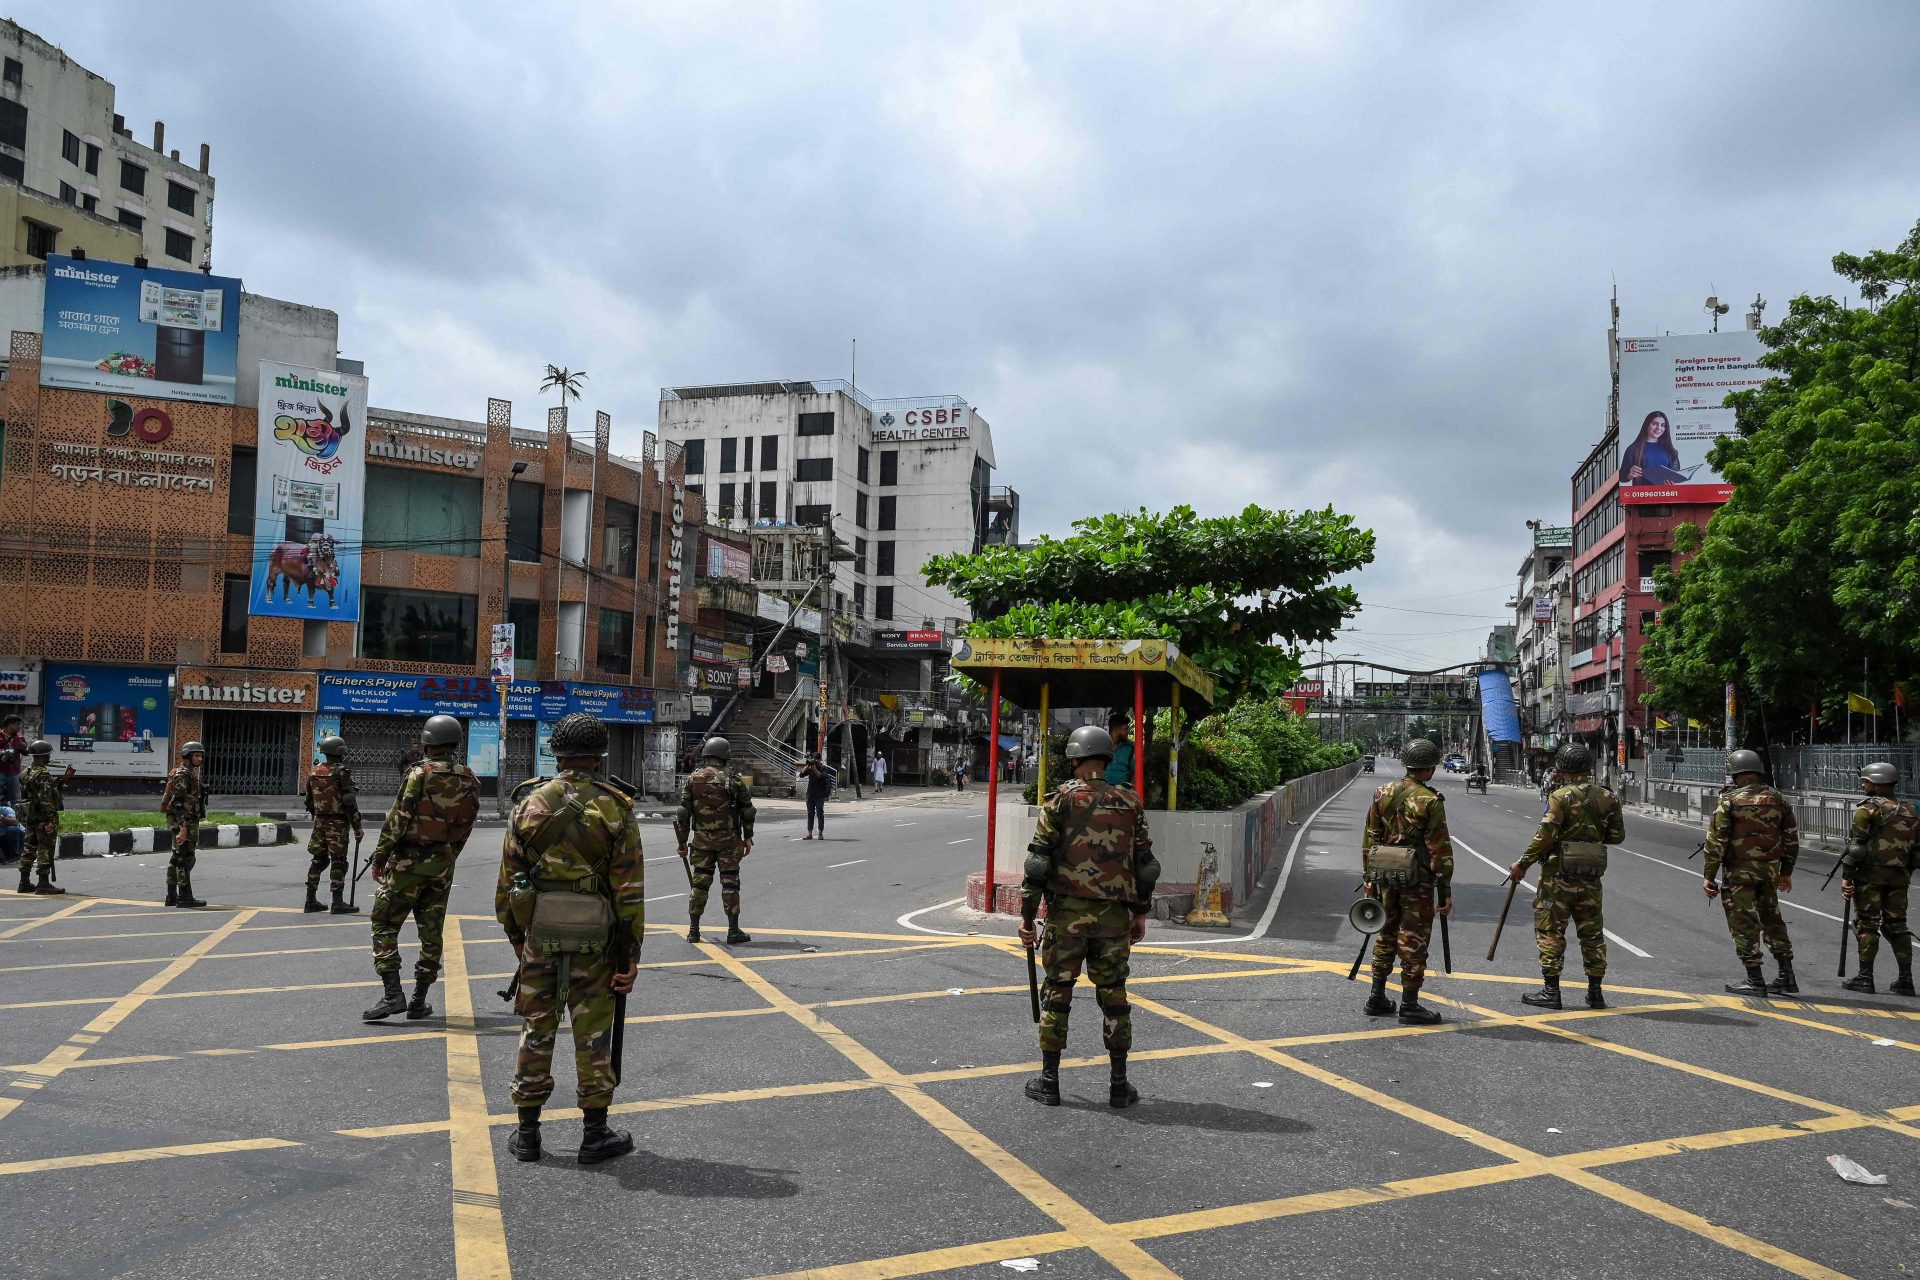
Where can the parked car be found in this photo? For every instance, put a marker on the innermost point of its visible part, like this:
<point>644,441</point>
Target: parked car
<point>1453,762</point>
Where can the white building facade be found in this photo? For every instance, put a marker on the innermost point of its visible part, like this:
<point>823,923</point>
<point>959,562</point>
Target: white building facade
<point>61,136</point>
<point>896,480</point>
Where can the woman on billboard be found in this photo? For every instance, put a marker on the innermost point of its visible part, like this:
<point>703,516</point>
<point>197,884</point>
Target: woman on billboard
<point>1651,458</point>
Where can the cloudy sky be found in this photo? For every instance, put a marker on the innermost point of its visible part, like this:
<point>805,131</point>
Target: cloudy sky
<point>1293,254</point>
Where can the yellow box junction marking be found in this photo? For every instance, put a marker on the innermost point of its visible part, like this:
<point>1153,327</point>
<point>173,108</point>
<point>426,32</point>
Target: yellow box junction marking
<point>479,1231</point>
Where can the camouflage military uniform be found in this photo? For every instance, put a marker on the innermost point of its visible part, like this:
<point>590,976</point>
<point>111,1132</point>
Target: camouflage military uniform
<point>334,802</point>
<point>419,843</point>
<point>1096,871</point>
<point>40,792</point>
<point>596,852</point>
<point>1885,829</point>
<point>1408,813</point>
<point>1753,838</point>
<point>1577,812</point>
<point>716,811</point>
<point>184,802</point>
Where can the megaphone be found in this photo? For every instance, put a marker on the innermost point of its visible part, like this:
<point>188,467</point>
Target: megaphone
<point>1367,915</point>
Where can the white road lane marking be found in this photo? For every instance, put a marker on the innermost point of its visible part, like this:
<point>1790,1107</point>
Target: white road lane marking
<point>663,897</point>
<point>906,921</point>
<point>836,866</point>
<point>1815,911</point>
<point>906,824</point>
<point>962,840</point>
<point>1611,935</point>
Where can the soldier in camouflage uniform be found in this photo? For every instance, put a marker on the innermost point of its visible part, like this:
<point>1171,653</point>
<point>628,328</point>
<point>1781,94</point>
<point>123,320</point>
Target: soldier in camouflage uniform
<point>184,801</point>
<point>1874,873</point>
<point>1412,875</point>
<point>716,809</point>
<point>334,802</point>
<point>421,839</point>
<point>1092,862</point>
<point>1753,838</point>
<point>1570,845</point>
<point>40,791</point>
<point>571,837</point>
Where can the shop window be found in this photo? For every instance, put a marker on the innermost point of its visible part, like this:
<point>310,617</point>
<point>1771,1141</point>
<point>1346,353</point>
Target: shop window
<point>525,501</point>
<point>695,454</point>
<point>888,506</point>
<point>233,612</point>
<point>816,424</point>
<point>769,452</point>
<point>619,538</point>
<point>240,491</point>
<point>889,466</point>
<point>430,511</point>
<point>525,617</point>
<point>813,469</point>
<point>883,604</point>
<point>614,653</point>
<point>403,625</point>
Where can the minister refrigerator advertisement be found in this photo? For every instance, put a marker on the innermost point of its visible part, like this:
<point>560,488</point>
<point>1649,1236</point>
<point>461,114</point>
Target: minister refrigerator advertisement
<point>140,331</point>
<point>1672,408</point>
<point>310,495</point>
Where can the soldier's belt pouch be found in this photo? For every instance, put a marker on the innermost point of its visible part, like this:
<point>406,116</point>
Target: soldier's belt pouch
<point>1583,859</point>
<point>1392,864</point>
<point>574,923</point>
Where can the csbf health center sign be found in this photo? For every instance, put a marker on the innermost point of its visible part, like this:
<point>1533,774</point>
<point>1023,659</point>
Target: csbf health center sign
<point>140,331</point>
<point>310,496</point>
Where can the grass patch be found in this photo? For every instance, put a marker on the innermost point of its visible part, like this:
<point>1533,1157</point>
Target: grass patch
<point>73,820</point>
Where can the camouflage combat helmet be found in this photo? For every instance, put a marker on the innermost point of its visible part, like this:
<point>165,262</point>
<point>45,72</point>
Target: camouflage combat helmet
<point>333,746</point>
<point>1740,762</point>
<point>1880,774</point>
<point>440,731</point>
<point>192,749</point>
<point>1420,754</point>
<point>1089,740</point>
<point>579,734</point>
<point>716,748</point>
<point>1574,758</point>
<point>40,747</point>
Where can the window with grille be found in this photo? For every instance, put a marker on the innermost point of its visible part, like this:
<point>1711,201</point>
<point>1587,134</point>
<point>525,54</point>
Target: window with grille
<point>41,238</point>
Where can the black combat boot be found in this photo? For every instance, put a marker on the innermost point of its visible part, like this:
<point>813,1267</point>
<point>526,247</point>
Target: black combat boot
<point>1861,981</point>
<point>1380,1004</point>
<point>186,898</point>
<point>735,934</point>
<point>313,899</point>
<point>1548,996</point>
<point>1903,985</point>
<point>598,1142</point>
<point>394,1001</point>
<point>173,894</point>
<point>26,874</point>
<point>1120,1094</point>
<point>46,885</point>
<point>1755,985</point>
<point>1596,998</point>
<point>1045,1087</point>
<point>1412,1012</point>
<point>523,1143</point>
<point>340,906</point>
<point>693,926</point>
<point>1784,985</point>
<point>420,1008</point>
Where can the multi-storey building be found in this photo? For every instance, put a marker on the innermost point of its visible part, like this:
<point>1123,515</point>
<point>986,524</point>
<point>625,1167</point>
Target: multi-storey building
<point>82,181</point>
<point>127,553</point>
<point>1539,632</point>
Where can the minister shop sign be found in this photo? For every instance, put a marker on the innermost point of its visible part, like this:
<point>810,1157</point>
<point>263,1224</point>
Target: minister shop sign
<point>140,331</point>
<point>310,495</point>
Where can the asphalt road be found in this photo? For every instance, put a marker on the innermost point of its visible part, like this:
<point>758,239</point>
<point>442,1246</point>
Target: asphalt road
<point>194,1093</point>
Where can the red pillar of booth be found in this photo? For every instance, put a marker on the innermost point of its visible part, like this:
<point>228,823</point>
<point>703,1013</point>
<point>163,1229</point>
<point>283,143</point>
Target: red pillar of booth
<point>993,785</point>
<point>1140,735</point>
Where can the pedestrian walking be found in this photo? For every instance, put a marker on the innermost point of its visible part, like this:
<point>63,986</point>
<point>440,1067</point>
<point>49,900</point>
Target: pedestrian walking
<point>1091,862</point>
<point>1570,845</point>
<point>817,778</point>
<point>716,815</point>
<point>1408,856</point>
<point>879,773</point>
<point>413,864</point>
<point>13,759</point>
<point>571,896</point>
<point>961,762</point>
<point>184,801</point>
<point>1752,844</point>
<point>1874,875</point>
<point>334,803</point>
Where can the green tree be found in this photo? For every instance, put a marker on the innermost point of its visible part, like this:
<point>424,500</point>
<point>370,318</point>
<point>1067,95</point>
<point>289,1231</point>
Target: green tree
<point>1810,574</point>
<point>1239,593</point>
<point>565,381</point>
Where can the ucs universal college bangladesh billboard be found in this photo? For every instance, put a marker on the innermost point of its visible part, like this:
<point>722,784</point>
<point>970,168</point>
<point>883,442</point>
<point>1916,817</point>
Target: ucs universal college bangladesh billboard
<point>1673,391</point>
<point>309,502</point>
<point>140,331</point>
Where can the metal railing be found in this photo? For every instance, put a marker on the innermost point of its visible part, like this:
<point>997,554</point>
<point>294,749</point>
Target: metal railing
<point>1696,764</point>
<point>1829,767</point>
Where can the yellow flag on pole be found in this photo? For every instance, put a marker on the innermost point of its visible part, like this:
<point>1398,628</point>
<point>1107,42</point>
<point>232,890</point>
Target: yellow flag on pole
<point>1658,723</point>
<point>1862,703</point>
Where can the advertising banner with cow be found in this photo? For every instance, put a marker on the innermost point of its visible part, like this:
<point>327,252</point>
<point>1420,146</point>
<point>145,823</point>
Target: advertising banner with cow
<point>310,495</point>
